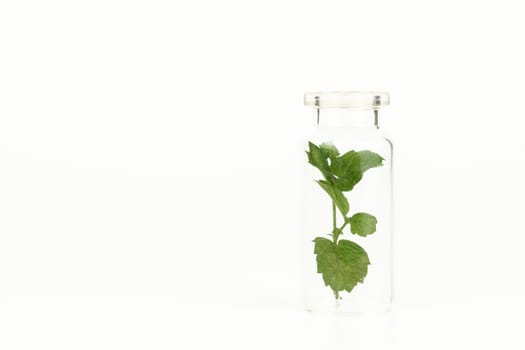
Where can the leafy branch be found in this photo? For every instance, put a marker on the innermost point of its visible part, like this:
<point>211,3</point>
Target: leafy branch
<point>342,263</point>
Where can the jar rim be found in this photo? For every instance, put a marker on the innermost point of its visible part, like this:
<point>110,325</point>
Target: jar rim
<point>347,99</point>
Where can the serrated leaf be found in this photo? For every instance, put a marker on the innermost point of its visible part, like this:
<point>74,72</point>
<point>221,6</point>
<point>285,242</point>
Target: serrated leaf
<point>342,265</point>
<point>323,245</point>
<point>369,160</point>
<point>337,196</point>
<point>318,160</point>
<point>346,184</point>
<point>346,163</point>
<point>347,169</point>
<point>329,150</point>
<point>363,224</point>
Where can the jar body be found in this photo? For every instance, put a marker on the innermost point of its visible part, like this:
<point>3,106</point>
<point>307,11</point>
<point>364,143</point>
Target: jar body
<point>330,268</point>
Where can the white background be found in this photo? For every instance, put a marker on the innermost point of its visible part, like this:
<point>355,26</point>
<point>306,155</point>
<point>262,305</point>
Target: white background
<point>150,158</point>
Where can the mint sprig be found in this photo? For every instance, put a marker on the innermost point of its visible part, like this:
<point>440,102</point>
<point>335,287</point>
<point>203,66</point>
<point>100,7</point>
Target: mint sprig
<point>342,263</point>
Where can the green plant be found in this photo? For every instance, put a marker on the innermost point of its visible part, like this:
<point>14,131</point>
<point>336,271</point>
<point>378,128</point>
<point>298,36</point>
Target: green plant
<point>341,262</point>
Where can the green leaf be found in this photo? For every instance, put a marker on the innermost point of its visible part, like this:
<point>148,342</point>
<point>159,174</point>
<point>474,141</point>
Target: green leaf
<point>363,224</point>
<point>346,163</point>
<point>342,265</point>
<point>318,160</point>
<point>369,160</point>
<point>323,245</point>
<point>347,168</point>
<point>337,196</point>
<point>329,150</point>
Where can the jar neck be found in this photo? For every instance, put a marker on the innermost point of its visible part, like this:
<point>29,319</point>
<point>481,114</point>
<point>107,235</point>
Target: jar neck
<point>347,117</point>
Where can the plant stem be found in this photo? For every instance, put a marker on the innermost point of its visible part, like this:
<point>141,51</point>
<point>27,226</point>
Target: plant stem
<point>335,234</point>
<point>334,221</point>
<point>337,231</point>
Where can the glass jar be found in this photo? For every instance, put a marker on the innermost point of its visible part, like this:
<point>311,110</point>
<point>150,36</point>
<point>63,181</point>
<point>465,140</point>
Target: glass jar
<point>348,204</point>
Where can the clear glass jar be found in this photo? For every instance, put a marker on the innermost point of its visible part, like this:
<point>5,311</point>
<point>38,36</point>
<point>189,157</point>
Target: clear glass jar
<point>348,204</point>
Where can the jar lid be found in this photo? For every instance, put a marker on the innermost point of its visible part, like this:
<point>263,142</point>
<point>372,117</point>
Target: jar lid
<point>347,99</point>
